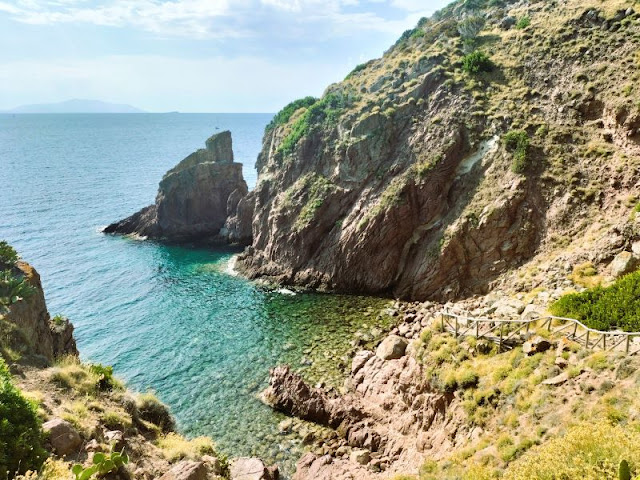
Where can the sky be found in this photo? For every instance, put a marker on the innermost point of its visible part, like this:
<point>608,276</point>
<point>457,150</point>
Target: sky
<point>192,55</point>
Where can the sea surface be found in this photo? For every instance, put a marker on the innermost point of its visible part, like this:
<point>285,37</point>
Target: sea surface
<point>169,319</point>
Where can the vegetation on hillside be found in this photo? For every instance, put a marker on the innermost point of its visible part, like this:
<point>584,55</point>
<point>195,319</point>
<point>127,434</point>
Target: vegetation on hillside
<point>529,430</point>
<point>21,438</point>
<point>605,308</point>
<point>13,285</point>
<point>283,116</point>
<point>324,111</point>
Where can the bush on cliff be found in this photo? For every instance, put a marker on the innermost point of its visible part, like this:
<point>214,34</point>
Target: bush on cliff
<point>20,430</point>
<point>325,111</point>
<point>284,115</point>
<point>8,255</point>
<point>477,62</point>
<point>517,142</point>
<point>616,306</point>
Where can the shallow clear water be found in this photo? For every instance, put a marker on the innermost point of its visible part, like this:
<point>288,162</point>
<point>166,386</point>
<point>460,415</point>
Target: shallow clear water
<point>169,319</point>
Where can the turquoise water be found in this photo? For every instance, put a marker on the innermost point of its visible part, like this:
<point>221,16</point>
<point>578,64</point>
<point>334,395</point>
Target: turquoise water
<point>167,318</point>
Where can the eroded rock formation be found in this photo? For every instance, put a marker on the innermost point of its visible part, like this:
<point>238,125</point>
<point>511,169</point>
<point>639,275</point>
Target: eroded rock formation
<point>390,417</point>
<point>195,198</point>
<point>29,329</point>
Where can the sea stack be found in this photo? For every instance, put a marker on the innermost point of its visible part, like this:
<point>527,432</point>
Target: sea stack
<point>194,199</point>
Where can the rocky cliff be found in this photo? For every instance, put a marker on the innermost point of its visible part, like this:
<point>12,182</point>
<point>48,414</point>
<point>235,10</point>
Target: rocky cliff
<point>494,137</point>
<point>28,330</point>
<point>195,198</point>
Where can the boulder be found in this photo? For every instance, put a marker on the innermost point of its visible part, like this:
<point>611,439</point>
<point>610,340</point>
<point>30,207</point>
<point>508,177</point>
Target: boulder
<point>252,469</point>
<point>507,22</point>
<point>360,456</point>
<point>623,263</point>
<point>64,438</point>
<point>508,307</point>
<point>530,312</point>
<point>557,380</point>
<point>635,248</point>
<point>536,345</point>
<point>186,470</point>
<point>392,348</point>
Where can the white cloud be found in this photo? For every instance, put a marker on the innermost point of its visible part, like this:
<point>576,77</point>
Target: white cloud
<point>215,18</point>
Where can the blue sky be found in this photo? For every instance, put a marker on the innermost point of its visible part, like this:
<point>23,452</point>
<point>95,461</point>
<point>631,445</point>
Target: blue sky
<point>191,55</point>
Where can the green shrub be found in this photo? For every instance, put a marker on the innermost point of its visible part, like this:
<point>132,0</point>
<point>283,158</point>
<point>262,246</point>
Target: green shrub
<point>285,114</point>
<point>106,381</point>
<point>8,255</point>
<point>21,437</point>
<point>325,111</point>
<point>13,288</point>
<point>523,22</point>
<point>616,306</point>
<point>357,69</point>
<point>153,410</point>
<point>476,62</point>
<point>103,463</point>
<point>467,379</point>
<point>517,142</point>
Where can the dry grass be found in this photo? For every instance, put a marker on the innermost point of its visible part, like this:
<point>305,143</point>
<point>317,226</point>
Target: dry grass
<point>175,447</point>
<point>503,394</point>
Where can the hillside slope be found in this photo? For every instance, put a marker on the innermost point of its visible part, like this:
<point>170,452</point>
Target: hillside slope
<point>495,137</point>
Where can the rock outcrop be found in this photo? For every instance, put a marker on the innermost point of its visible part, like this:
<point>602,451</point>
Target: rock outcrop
<point>195,199</point>
<point>389,417</point>
<point>29,329</point>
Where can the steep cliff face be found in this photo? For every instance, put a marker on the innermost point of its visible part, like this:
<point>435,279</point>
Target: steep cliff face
<point>194,199</point>
<point>28,329</point>
<point>493,133</point>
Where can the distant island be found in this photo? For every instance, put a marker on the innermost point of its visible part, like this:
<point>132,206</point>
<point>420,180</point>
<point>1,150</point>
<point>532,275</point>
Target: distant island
<point>76,106</point>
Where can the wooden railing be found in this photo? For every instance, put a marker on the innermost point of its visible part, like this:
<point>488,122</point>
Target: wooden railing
<point>507,333</point>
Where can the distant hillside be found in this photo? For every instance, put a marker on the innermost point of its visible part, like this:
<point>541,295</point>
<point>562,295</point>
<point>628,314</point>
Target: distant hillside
<point>76,106</point>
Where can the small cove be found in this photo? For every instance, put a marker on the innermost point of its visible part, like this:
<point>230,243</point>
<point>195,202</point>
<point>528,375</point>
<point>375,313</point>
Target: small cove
<point>170,319</point>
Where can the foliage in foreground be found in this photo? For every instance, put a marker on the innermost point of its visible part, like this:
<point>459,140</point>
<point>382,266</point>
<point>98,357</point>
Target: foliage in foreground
<point>605,308</point>
<point>20,430</point>
<point>103,463</point>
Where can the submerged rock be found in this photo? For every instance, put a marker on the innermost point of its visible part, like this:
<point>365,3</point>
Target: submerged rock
<point>195,198</point>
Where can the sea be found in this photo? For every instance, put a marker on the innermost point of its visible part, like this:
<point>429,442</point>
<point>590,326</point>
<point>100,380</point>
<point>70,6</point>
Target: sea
<point>173,320</point>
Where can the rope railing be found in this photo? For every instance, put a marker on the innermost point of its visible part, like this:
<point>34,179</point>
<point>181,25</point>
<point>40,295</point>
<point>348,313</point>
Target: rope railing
<point>494,329</point>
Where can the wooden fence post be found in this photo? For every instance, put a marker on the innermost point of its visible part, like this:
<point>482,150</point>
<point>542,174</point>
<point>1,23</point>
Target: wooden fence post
<point>587,339</point>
